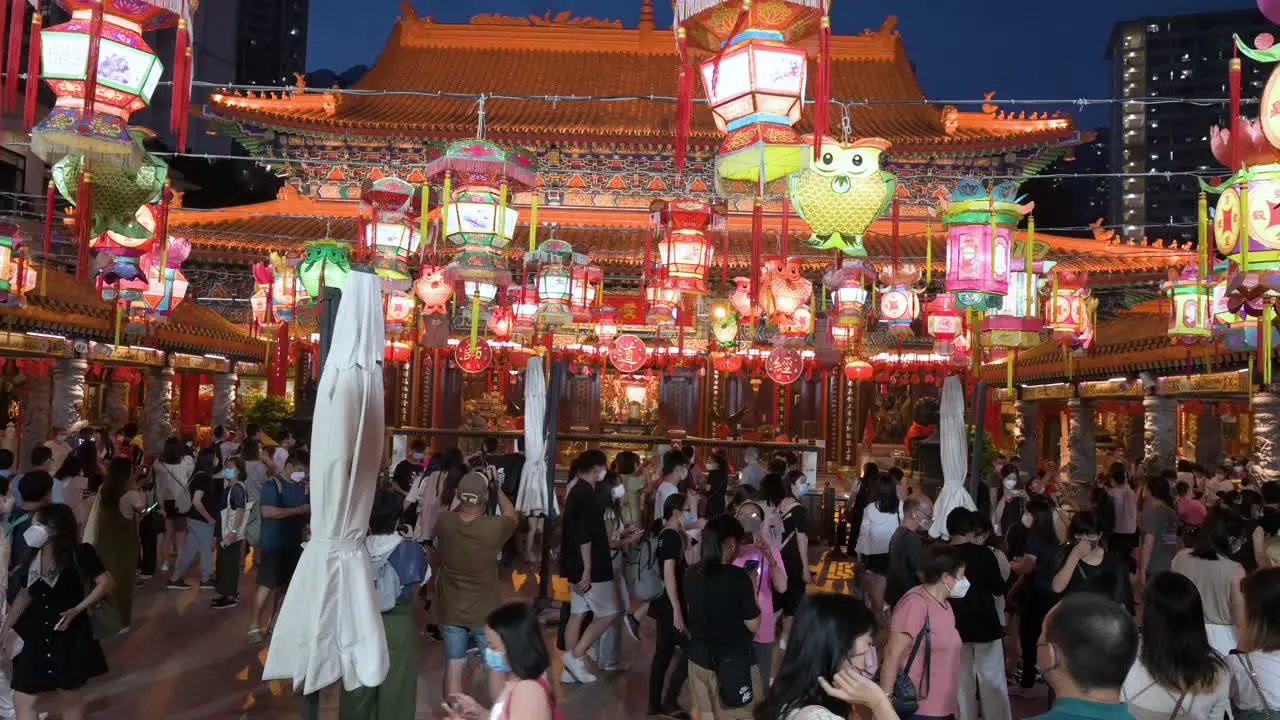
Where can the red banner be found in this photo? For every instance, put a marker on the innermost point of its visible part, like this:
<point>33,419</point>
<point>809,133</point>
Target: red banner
<point>630,308</point>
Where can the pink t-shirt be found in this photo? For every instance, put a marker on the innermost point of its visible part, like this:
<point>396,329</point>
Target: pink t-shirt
<point>759,570</point>
<point>938,696</point>
<point>1192,511</point>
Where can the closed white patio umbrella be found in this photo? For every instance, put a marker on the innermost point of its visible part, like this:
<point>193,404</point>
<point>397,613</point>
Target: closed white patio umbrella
<point>532,499</point>
<point>329,627</point>
<point>955,457</point>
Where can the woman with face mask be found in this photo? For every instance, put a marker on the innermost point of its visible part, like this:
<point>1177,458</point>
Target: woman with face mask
<point>1089,567</point>
<point>794,544</point>
<point>1216,575</point>
<point>717,484</point>
<point>830,667</point>
<point>231,521</point>
<point>610,493</point>
<point>1038,561</point>
<point>923,619</point>
<point>59,580</point>
<point>112,528</point>
<point>204,488</point>
<point>668,610</point>
<point>514,647</point>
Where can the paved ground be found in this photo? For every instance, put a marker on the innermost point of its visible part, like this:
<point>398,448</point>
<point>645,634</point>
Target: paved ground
<point>183,661</point>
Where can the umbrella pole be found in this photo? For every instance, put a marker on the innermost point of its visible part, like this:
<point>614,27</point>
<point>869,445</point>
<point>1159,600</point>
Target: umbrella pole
<point>553,432</point>
<point>979,432</point>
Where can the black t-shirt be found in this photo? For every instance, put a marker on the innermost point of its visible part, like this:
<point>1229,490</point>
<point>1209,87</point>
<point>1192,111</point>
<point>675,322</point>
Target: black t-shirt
<point>794,522</point>
<point>717,487</point>
<point>509,467</point>
<point>906,550</point>
<point>1048,560</point>
<point>670,547</point>
<point>976,616</point>
<point>719,606</point>
<point>1109,578</point>
<point>402,477</point>
<point>201,482</point>
<point>584,523</point>
<point>1270,520</point>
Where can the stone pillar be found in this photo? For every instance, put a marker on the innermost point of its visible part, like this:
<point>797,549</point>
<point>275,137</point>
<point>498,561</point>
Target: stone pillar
<point>1159,434</point>
<point>115,406</point>
<point>1209,438</point>
<point>224,397</point>
<point>1264,463</point>
<point>36,399</point>
<point>68,391</point>
<point>1134,444</point>
<point>156,425</point>
<point>1026,433</point>
<point>1081,435</point>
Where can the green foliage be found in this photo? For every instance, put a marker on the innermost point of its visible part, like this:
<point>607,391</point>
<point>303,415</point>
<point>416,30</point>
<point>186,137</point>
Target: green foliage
<point>267,412</point>
<point>987,461</point>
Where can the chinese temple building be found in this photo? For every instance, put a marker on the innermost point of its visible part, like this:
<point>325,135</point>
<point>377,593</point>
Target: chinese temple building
<point>601,165</point>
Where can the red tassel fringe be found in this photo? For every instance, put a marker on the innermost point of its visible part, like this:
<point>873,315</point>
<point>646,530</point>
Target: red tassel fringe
<point>84,223</point>
<point>724,263</point>
<point>13,61</point>
<point>822,87</point>
<point>91,67</point>
<point>896,249</point>
<point>33,73</point>
<point>684,100</point>
<point>47,236</point>
<point>181,85</point>
<point>4,17</point>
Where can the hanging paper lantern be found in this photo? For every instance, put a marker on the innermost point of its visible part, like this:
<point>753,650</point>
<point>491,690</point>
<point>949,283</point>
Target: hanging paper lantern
<point>10,242</point>
<point>554,281</point>
<point>501,322</point>
<point>899,299</point>
<point>798,324</point>
<point>858,370</point>
<point>662,305</point>
<point>91,114</point>
<point>433,290</point>
<point>285,291</point>
<point>844,336</point>
<point>398,311</point>
<point>119,193</point>
<point>583,281</point>
<point>754,82</point>
<point>727,362</point>
<point>783,290</point>
<point>849,292</point>
<point>260,302</point>
<point>842,192</point>
<point>1189,295</point>
<point>389,232</point>
<point>946,324</point>
<point>524,307</point>
<point>325,264</point>
<point>741,301</point>
<point>398,352</point>
<point>1017,324</point>
<point>1068,309</point>
<point>684,249</point>
<point>980,228</point>
<point>478,291</point>
<point>606,324</point>
<point>724,324</point>
<point>166,283</point>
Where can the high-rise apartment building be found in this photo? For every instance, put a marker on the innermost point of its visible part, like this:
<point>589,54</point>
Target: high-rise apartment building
<point>1157,64</point>
<point>273,41</point>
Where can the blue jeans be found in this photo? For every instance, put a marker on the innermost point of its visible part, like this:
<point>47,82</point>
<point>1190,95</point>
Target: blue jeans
<point>199,541</point>
<point>458,639</point>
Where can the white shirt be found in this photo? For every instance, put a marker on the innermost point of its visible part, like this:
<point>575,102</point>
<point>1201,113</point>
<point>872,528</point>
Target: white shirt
<point>1148,700</point>
<point>665,490</point>
<point>877,530</point>
<point>1125,501</point>
<point>1267,667</point>
<point>60,452</point>
<point>752,474</point>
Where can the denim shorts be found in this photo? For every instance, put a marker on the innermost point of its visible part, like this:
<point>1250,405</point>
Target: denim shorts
<point>458,639</point>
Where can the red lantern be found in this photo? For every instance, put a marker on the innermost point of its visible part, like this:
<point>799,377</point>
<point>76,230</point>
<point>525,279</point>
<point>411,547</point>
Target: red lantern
<point>858,370</point>
<point>500,322</point>
<point>399,309</point>
<point>396,352</point>
<point>685,251</point>
<point>946,323</point>
<point>606,324</point>
<point>524,307</point>
<point>583,280</point>
<point>728,362</point>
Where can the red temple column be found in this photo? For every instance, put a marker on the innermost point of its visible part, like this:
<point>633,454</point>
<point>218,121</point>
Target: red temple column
<point>278,367</point>
<point>188,403</point>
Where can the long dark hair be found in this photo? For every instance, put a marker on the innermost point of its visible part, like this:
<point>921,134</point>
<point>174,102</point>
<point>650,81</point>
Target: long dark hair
<point>64,535</point>
<point>1042,520</point>
<point>1261,592</point>
<point>823,634</point>
<point>116,483</point>
<point>207,460</point>
<point>719,530</point>
<point>172,454</point>
<point>1221,534</point>
<point>526,650</point>
<point>1175,646</point>
<point>604,494</point>
<point>886,495</point>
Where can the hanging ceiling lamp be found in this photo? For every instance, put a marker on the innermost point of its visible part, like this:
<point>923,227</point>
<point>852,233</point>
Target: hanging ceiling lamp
<point>684,250</point>
<point>849,292</point>
<point>389,231</point>
<point>554,283</point>
<point>946,324</point>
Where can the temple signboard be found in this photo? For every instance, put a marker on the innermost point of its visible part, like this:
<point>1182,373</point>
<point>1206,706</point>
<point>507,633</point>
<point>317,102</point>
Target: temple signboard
<point>1112,389</point>
<point>1228,383</point>
<point>183,361</point>
<point>1057,391</point>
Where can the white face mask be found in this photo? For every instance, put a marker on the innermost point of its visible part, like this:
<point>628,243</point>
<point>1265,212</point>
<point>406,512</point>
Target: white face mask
<point>1010,484</point>
<point>417,457</point>
<point>298,476</point>
<point>713,466</point>
<point>961,588</point>
<point>618,492</point>
<point>36,536</point>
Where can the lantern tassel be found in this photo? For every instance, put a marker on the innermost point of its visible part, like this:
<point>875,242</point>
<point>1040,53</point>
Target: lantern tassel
<point>1202,236</point>
<point>445,198</point>
<point>1030,259</point>
<point>928,253</point>
<point>84,221</point>
<point>46,235</point>
<point>4,16</point>
<point>1268,321</point>
<point>162,225</point>
<point>1010,362</point>
<point>181,84</point>
<point>533,222</point>
<point>33,73</point>
<point>424,221</point>
<point>91,67</point>
<point>757,232</point>
<point>475,321</point>
<point>1251,359</point>
<point>17,17</point>
<point>822,87</point>
<point>895,245</point>
<point>1237,132</point>
<point>684,99</point>
<point>119,316</point>
<point>1244,219</point>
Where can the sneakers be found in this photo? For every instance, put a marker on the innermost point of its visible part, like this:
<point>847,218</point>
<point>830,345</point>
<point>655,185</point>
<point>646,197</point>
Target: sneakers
<point>177,585</point>
<point>224,603</point>
<point>633,626</point>
<point>567,678</point>
<point>675,712</point>
<point>577,668</point>
<point>208,585</point>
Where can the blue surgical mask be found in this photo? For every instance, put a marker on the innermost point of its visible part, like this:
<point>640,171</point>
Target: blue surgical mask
<point>229,473</point>
<point>690,519</point>
<point>495,660</point>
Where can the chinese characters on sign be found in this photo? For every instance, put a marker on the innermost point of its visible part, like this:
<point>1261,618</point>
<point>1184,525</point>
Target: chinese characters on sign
<point>628,353</point>
<point>784,366</point>
<point>473,361</point>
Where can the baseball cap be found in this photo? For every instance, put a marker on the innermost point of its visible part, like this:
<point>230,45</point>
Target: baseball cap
<point>473,488</point>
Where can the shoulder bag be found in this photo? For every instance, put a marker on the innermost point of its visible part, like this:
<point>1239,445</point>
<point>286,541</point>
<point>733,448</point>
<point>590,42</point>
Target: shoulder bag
<point>906,698</point>
<point>103,616</point>
<point>1266,713</point>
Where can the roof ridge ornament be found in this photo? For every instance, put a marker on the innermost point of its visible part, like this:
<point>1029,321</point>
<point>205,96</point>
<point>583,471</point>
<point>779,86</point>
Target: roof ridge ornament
<point>564,18</point>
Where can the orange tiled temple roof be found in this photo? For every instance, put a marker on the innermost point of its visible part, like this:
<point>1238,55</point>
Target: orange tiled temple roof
<point>614,236</point>
<point>567,57</point>
<point>63,305</point>
<point>1135,340</point>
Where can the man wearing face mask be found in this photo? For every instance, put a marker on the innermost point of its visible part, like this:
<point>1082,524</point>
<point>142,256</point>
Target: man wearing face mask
<point>675,468</point>
<point>906,547</point>
<point>978,622</point>
<point>1087,645</point>
<point>586,562</point>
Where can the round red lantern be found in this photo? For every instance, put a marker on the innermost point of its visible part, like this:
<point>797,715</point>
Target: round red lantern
<point>858,370</point>
<point>728,362</point>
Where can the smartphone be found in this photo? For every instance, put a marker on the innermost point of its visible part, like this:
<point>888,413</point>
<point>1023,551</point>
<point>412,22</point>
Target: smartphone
<point>154,506</point>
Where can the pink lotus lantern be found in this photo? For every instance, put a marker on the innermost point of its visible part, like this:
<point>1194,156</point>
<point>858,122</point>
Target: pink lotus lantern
<point>980,227</point>
<point>946,324</point>
<point>260,302</point>
<point>899,299</point>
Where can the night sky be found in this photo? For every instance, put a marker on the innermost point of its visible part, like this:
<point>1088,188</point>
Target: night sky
<point>1029,49</point>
